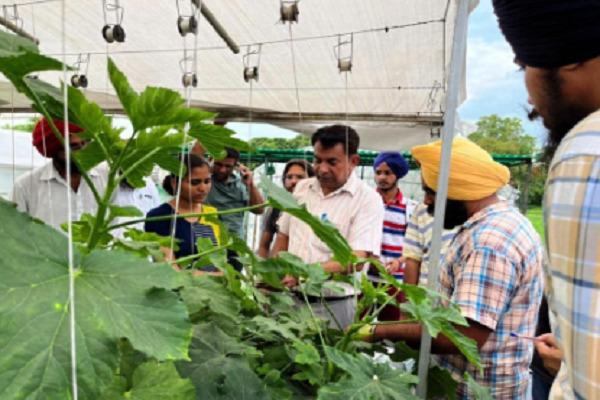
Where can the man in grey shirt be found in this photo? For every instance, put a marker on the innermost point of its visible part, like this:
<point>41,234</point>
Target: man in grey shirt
<point>230,191</point>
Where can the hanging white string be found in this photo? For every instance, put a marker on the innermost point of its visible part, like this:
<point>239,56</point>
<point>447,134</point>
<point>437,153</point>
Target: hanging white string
<point>249,162</point>
<point>188,95</point>
<point>12,132</point>
<point>295,74</point>
<point>67,147</point>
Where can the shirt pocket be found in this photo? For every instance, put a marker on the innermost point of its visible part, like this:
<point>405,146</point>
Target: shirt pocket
<point>341,222</point>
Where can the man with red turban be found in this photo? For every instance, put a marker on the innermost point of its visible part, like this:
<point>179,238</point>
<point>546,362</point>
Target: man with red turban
<point>42,193</point>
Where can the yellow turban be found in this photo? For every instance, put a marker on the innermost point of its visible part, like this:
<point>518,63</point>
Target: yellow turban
<point>474,174</point>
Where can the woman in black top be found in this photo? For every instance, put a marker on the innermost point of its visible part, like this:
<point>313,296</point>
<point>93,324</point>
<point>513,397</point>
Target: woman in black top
<point>195,186</point>
<point>295,170</point>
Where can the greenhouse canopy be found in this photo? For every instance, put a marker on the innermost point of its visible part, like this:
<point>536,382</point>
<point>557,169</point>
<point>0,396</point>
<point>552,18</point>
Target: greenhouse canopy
<point>394,95</point>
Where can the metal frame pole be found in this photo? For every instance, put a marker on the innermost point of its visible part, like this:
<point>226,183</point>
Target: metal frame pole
<point>457,67</point>
<point>525,192</point>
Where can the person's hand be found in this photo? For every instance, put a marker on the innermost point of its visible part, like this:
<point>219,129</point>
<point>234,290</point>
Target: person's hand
<point>246,175</point>
<point>289,281</point>
<point>549,351</point>
<point>395,265</point>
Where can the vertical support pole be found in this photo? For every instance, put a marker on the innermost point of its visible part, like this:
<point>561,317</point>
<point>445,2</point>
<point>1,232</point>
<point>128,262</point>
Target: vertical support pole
<point>457,67</point>
<point>524,199</point>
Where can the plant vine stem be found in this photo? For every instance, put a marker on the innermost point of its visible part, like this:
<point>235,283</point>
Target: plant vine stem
<point>194,256</point>
<point>100,215</point>
<point>169,217</point>
<point>312,313</point>
<point>137,163</point>
<point>103,203</point>
<point>330,311</point>
<point>378,310</point>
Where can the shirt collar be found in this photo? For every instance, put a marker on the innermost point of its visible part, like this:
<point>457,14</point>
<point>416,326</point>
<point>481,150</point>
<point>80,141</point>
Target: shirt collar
<point>485,213</point>
<point>233,178</point>
<point>49,172</point>
<point>351,186</point>
<point>396,201</point>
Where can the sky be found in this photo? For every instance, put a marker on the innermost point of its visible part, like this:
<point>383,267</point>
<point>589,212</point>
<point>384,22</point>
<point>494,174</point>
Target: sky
<point>494,83</point>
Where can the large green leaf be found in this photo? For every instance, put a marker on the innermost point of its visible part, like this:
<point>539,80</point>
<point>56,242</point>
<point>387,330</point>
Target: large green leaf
<point>366,380</point>
<point>440,384</point>
<point>160,106</point>
<point>16,43</point>
<point>154,146</point>
<point>16,65</point>
<point>127,96</point>
<point>117,295</point>
<point>106,143</point>
<point>477,391</point>
<point>206,294</point>
<point>49,96</point>
<point>219,366</point>
<point>214,138</point>
<point>154,106</point>
<point>283,200</point>
<point>159,381</point>
<point>424,305</point>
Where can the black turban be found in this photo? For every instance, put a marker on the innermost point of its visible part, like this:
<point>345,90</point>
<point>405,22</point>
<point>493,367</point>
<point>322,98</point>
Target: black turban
<point>550,33</point>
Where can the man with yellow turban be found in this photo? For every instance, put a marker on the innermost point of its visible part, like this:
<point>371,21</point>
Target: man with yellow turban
<point>492,271</point>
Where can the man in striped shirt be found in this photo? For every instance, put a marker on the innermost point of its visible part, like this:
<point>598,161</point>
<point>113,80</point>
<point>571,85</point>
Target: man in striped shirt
<point>417,243</point>
<point>390,167</point>
<point>557,43</point>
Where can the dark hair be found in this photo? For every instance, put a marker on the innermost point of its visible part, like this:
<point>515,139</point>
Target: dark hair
<point>190,161</point>
<point>301,163</point>
<point>331,135</point>
<point>232,153</point>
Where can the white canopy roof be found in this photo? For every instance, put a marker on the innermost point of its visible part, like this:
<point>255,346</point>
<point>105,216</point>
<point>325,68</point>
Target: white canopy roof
<point>394,95</point>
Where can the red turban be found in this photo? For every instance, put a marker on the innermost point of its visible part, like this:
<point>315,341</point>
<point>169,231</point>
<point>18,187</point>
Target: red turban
<point>44,139</point>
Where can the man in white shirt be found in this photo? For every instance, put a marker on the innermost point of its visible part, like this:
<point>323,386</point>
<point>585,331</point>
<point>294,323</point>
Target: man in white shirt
<point>144,199</point>
<point>42,193</point>
<point>336,195</point>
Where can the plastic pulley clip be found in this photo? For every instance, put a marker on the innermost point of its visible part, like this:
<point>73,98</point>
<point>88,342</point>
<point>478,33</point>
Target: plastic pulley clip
<point>345,65</point>
<point>189,79</point>
<point>187,25</point>
<point>289,12</point>
<point>79,81</point>
<point>250,73</point>
<point>112,33</point>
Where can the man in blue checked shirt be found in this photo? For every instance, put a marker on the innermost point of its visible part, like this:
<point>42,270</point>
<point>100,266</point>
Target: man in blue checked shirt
<point>492,271</point>
<point>557,44</point>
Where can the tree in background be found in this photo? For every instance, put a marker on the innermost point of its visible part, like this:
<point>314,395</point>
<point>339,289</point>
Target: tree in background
<point>298,142</point>
<point>23,127</point>
<point>505,135</point>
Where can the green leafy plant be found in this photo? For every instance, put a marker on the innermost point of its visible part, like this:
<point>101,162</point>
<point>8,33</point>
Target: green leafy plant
<point>145,331</point>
